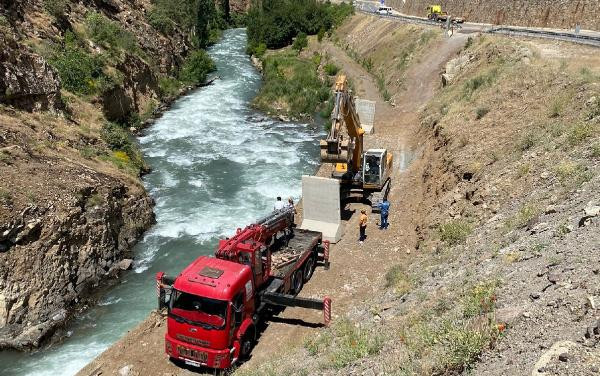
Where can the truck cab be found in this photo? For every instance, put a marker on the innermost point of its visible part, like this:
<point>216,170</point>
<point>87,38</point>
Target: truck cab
<point>384,10</point>
<point>209,313</point>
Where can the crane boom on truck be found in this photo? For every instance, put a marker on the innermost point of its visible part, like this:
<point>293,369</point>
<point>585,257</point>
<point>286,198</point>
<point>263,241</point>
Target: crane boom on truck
<point>215,303</point>
<point>362,174</point>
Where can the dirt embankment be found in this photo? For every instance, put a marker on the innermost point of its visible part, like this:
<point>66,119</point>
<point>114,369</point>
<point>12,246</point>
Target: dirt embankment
<point>490,265</point>
<point>538,13</point>
<point>71,202</point>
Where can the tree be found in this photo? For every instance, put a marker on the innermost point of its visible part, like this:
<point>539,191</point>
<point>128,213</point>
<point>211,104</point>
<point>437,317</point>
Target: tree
<point>300,42</point>
<point>205,15</point>
<point>225,8</point>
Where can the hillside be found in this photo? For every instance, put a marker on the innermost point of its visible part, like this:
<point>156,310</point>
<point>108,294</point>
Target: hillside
<point>78,78</point>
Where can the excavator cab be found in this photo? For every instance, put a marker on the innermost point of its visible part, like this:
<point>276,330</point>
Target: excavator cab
<point>375,168</point>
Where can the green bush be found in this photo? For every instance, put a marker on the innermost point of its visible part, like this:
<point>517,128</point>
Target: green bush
<point>116,137</point>
<point>331,69</point>
<point>454,232</point>
<point>126,154</point>
<point>56,8</point>
<point>300,42</point>
<point>109,33</point>
<point>480,299</point>
<point>482,80</point>
<point>80,71</point>
<point>196,67</point>
<point>158,19</point>
<point>168,86</point>
<point>321,34</point>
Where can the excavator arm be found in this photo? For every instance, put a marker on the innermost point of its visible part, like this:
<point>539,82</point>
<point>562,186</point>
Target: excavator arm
<point>334,149</point>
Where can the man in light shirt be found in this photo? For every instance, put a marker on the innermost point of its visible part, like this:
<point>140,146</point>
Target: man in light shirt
<point>279,204</point>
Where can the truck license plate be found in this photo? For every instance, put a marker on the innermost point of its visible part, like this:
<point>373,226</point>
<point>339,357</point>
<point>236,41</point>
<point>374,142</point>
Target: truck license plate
<point>192,363</point>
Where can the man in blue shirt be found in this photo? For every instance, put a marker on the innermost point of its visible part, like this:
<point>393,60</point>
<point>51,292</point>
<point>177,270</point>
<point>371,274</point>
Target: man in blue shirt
<point>384,207</point>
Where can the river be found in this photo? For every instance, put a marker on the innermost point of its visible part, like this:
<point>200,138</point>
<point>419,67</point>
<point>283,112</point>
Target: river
<point>216,165</point>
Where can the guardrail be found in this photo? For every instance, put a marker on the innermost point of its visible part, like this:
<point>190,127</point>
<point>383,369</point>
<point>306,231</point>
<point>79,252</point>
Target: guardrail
<point>568,37</point>
<point>589,40</point>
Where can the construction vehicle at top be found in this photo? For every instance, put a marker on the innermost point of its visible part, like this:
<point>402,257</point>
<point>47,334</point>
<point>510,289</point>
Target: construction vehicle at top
<point>435,13</point>
<point>215,304</point>
<point>363,174</point>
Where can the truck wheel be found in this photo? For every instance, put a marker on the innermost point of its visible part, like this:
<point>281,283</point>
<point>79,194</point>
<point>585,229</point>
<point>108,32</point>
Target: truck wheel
<point>309,267</point>
<point>297,281</point>
<point>247,343</point>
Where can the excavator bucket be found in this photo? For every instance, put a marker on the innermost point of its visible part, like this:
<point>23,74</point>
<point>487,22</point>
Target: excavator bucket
<point>336,151</point>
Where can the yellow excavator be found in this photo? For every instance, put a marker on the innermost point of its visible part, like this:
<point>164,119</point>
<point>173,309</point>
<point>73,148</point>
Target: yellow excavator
<point>363,174</point>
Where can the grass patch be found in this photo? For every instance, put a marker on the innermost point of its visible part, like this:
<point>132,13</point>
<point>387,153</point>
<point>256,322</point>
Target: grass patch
<point>523,170</point>
<point>94,200</point>
<point>595,152</point>
<point>449,341</point>
<point>572,174</point>
<point>344,343</point>
<point>398,279</point>
<point>382,87</point>
<point>523,217</point>
<point>454,232</point>
<point>331,69</point>
<point>580,132</point>
<point>110,34</point>
<point>6,198</point>
<point>480,81</point>
<point>556,108</point>
<point>527,142</point>
<point>168,86</point>
<point>481,112</point>
<point>480,299</point>
<point>88,152</point>
<point>5,157</point>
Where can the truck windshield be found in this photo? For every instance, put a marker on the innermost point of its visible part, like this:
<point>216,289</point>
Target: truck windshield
<point>196,310</point>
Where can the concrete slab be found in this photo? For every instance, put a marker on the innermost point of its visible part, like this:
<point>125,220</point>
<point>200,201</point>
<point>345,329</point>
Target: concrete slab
<point>366,113</point>
<point>321,207</point>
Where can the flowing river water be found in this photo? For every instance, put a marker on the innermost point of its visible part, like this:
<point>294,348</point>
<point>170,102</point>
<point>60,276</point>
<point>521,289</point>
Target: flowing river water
<point>217,165</point>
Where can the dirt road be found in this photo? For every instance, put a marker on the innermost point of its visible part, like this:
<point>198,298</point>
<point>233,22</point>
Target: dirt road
<point>357,271</point>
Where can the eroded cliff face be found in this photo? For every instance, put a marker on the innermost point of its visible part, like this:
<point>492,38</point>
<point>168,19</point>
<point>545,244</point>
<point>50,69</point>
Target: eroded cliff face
<point>55,255</point>
<point>26,79</point>
<point>540,13</point>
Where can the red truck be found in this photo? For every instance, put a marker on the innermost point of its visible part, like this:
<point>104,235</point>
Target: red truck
<point>215,304</point>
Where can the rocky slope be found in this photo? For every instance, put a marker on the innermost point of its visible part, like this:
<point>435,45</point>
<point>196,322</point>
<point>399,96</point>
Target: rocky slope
<point>539,13</point>
<point>71,202</point>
